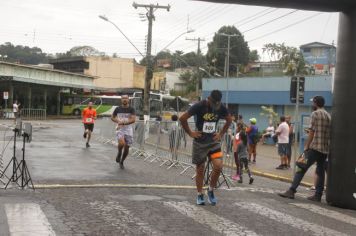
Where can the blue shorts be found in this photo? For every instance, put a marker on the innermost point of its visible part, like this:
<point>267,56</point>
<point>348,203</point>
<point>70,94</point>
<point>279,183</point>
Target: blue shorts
<point>283,149</point>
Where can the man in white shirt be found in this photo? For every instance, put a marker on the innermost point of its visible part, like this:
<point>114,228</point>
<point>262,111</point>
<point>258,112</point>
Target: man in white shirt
<point>283,139</point>
<point>15,110</point>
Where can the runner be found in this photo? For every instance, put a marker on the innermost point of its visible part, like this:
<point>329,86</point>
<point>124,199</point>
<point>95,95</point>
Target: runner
<point>88,115</point>
<point>207,140</point>
<point>124,116</point>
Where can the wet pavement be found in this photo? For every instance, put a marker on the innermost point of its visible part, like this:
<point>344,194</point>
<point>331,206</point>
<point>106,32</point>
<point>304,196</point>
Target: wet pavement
<point>82,191</point>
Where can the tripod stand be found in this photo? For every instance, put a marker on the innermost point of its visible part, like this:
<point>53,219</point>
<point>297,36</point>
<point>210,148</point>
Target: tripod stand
<point>13,160</point>
<point>207,175</point>
<point>22,167</point>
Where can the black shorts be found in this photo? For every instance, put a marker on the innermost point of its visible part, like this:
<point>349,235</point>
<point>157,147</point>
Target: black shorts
<point>89,127</point>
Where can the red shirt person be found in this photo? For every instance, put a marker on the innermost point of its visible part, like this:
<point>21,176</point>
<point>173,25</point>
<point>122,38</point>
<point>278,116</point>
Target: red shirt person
<point>88,117</point>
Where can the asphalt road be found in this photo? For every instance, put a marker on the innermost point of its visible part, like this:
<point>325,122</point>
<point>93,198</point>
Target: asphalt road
<point>82,191</point>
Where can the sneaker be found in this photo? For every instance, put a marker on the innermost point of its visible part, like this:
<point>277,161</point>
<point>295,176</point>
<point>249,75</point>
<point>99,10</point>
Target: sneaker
<point>87,145</point>
<point>211,198</point>
<point>251,180</point>
<point>287,194</point>
<point>85,135</point>
<point>314,198</point>
<point>118,158</point>
<point>235,177</point>
<point>200,199</point>
<point>254,162</point>
<point>122,166</point>
<point>312,188</point>
<point>280,167</point>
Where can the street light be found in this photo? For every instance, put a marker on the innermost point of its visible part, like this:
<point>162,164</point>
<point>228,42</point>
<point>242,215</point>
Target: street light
<point>187,32</point>
<point>106,19</point>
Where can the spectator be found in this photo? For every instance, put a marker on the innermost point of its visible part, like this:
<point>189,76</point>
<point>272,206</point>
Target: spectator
<point>252,134</point>
<point>282,133</point>
<point>237,140</point>
<point>291,139</point>
<point>269,132</point>
<point>176,134</point>
<point>316,149</point>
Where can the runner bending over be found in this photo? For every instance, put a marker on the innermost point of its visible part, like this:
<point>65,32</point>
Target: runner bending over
<point>207,140</point>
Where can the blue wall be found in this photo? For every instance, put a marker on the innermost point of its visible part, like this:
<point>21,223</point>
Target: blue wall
<point>251,93</point>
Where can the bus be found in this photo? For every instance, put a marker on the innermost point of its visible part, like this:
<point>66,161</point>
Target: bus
<point>160,104</point>
<point>73,104</point>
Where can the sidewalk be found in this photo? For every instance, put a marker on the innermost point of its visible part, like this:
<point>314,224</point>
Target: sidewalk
<point>267,160</point>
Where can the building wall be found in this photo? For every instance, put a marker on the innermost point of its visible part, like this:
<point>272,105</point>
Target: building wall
<point>157,80</point>
<point>139,76</point>
<point>174,82</point>
<point>111,72</point>
<point>247,95</point>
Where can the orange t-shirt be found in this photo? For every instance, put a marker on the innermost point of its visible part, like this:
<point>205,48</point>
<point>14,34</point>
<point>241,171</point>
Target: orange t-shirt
<point>88,115</point>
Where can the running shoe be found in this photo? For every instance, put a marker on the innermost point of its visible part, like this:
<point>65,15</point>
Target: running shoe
<point>85,135</point>
<point>251,180</point>
<point>122,166</point>
<point>87,145</point>
<point>235,177</point>
<point>200,199</point>
<point>211,198</point>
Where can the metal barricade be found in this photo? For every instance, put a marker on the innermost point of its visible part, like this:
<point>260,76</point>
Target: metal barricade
<point>6,138</point>
<point>164,142</point>
<point>33,114</point>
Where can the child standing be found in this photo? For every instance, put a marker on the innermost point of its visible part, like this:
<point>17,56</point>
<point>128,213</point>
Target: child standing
<point>243,157</point>
<point>236,142</point>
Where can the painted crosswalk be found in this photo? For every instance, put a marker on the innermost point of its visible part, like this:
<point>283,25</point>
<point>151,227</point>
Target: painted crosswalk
<point>125,222</point>
<point>126,219</point>
<point>27,219</point>
<point>327,213</point>
<point>217,223</point>
<point>290,220</point>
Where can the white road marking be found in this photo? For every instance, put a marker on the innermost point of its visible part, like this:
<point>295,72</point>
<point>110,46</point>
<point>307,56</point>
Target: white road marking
<point>288,219</point>
<point>327,213</point>
<point>27,219</point>
<point>260,190</point>
<point>125,222</point>
<point>215,222</point>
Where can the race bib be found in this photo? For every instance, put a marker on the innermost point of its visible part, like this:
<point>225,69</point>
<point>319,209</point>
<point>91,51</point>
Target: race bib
<point>88,120</point>
<point>209,127</point>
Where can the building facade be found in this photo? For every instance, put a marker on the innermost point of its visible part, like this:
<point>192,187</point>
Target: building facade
<point>116,74</point>
<point>320,57</point>
<point>246,96</point>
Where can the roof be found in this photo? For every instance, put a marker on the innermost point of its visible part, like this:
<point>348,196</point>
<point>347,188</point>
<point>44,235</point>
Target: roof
<point>317,45</point>
<point>318,5</point>
<point>46,69</point>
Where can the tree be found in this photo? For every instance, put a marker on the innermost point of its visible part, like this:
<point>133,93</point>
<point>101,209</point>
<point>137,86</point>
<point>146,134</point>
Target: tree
<point>23,54</point>
<point>217,50</point>
<point>253,56</point>
<point>291,58</point>
<point>85,51</point>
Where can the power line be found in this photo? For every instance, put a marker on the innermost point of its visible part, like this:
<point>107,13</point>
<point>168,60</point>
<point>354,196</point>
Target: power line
<point>267,22</point>
<point>286,27</point>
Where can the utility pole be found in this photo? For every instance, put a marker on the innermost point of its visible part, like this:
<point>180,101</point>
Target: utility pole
<point>198,61</point>
<point>149,67</point>
<point>227,65</point>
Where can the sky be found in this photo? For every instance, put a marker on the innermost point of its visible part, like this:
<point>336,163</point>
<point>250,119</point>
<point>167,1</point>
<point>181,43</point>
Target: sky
<point>57,26</point>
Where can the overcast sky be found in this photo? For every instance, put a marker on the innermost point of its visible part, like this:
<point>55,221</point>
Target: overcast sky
<point>57,26</point>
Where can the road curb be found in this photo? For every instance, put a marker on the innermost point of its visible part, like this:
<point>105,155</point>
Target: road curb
<point>278,177</point>
<point>156,186</point>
